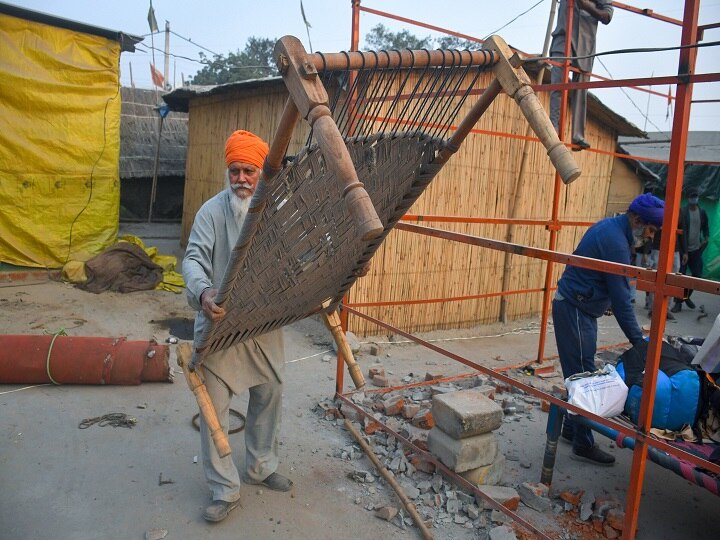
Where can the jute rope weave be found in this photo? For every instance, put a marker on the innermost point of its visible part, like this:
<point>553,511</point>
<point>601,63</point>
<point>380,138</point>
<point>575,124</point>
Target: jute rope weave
<point>306,251</point>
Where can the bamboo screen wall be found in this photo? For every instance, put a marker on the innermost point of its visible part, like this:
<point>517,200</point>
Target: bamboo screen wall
<point>477,182</point>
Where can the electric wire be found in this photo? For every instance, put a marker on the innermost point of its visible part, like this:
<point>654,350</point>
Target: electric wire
<point>514,19</point>
<point>622,51</point>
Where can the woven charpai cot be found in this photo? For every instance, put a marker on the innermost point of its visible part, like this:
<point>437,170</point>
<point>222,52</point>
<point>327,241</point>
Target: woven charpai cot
<point>381,125</point>
<point>306,250</point>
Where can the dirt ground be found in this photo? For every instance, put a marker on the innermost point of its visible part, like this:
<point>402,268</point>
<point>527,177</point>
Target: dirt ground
<point>60,482</point>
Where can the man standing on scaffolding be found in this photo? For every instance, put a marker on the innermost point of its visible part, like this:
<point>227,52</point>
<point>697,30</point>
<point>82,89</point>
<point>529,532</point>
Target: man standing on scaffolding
<point>585,18</point>
<point>584,295</point>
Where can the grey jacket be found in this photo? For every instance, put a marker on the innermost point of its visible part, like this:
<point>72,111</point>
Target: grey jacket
<point>213,235</point>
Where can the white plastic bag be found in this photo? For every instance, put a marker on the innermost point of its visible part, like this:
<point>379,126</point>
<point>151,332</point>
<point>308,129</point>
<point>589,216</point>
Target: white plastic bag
<point>602,392</point>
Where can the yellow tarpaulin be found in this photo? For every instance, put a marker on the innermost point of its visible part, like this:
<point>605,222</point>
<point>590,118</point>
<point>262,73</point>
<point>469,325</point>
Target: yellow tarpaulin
<point>59,143</point>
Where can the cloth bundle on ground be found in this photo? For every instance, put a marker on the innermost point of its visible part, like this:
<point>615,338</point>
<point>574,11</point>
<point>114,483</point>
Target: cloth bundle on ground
<point>677,391</point>
<point>124,267</point>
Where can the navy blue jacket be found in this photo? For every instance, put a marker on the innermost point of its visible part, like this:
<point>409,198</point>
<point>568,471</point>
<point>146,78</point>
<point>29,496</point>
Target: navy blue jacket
<point>593,292</point>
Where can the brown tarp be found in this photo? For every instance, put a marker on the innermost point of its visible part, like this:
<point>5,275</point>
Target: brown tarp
<point>124,267</point>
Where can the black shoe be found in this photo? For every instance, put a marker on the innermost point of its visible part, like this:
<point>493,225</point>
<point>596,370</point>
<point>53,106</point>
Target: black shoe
<point>689,303</point>
<point>219,510</point>
<point>593,455</point>
<point>275,481</point>
<point>677,307</point>
<point>565,439</point>
<point>580,144</point>
<point>670,316</point>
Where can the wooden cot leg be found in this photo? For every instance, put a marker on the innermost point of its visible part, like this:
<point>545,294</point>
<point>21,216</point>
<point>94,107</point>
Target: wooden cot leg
<point>311,99</point>
<point>516,84</point>
<point>332,321</point>
<point>184,353</point>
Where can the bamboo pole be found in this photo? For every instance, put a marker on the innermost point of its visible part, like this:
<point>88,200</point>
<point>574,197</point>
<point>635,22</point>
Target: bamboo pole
<point>409,506</point>
<point>207,409</point>
<point>520,182</point>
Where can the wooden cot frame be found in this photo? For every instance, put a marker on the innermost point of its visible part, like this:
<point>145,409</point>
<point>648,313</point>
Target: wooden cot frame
<point>309,100</point>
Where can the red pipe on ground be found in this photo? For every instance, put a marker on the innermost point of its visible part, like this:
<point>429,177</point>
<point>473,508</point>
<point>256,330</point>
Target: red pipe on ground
<point>37,359</point>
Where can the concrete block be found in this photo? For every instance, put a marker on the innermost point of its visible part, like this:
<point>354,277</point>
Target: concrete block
<point>463,454</point>
<point>466,413</point>
<point>489,475</point>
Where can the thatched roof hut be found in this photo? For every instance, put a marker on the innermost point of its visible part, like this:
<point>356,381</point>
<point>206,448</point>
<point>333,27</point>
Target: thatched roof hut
<point>139,125</point>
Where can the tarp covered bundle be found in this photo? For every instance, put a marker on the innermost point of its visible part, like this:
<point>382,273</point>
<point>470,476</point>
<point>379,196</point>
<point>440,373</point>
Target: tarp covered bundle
<point>59,143</point>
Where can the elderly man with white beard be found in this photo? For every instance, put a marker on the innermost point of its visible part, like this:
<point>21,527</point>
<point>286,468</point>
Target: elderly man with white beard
<point>255,365</point>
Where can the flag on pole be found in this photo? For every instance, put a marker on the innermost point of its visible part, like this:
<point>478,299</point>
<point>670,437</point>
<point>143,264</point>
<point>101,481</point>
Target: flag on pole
<point>307,24</point>
<point>669,103</point>
<point>157,77</point>
<point>151,19</point>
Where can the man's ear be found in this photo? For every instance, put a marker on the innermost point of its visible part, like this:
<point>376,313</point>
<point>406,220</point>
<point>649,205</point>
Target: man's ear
<point>635,220</point>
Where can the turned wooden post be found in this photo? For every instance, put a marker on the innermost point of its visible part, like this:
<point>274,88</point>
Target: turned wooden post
<point>516,84</point>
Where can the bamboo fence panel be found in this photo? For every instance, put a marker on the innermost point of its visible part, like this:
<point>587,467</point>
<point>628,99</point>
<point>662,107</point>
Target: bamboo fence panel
<point>478,182</point>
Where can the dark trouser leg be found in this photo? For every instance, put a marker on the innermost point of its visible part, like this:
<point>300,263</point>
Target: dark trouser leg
<point>695,265</point>
<point>578,102</point>
<point>576,337</point>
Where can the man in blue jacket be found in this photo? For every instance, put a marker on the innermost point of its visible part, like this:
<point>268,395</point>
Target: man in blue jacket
<point>583,295</point>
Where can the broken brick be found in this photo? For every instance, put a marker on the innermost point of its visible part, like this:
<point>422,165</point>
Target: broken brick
<point>610,532</point>
<point>410,410</point>
<point>573,497</point>
<point>422,465</point>
<point>423,419</point>
<point>544,406</point>
<point>393,405</point>
<point>616,519</point>
<point>380,380</point>
<point>387,513</point>
<point>375,371</point>
<point>433,376</point>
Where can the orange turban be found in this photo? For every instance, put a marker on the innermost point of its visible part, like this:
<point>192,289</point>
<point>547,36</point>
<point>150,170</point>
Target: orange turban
<point>246,147</point>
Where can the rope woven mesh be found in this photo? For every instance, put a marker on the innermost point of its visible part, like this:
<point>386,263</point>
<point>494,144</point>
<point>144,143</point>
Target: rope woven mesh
<point>306,251</point>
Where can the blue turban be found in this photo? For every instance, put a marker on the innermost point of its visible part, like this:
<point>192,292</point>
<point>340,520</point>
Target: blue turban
<point>648,208</point>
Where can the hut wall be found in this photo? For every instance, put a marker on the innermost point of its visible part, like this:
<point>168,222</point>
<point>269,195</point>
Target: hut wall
<point>625,185</point>
<point>477,182</point>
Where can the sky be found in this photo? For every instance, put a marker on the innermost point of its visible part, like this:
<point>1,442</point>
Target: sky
<point>222,26</point>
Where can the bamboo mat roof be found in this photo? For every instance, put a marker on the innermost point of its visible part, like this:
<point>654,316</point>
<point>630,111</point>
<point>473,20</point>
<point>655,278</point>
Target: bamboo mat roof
<point>139,122</point>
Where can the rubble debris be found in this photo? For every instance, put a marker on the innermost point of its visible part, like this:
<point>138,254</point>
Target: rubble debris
<point>535,496</point>
<point>155,534</point>
<point>387,513</point>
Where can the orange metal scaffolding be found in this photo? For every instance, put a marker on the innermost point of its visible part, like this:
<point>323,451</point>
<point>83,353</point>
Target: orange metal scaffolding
<point>662,282</point>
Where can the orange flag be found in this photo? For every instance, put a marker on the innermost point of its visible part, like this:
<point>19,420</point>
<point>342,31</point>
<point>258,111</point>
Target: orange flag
<point>157,78</point>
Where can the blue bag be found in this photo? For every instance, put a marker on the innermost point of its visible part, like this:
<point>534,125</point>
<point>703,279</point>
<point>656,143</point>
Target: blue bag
<point>677,392</point>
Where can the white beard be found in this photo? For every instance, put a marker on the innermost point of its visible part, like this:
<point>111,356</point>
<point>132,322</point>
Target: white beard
<point>239,206</point>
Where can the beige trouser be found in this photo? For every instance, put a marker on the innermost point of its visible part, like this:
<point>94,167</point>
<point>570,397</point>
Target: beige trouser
<point>262,426</point>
